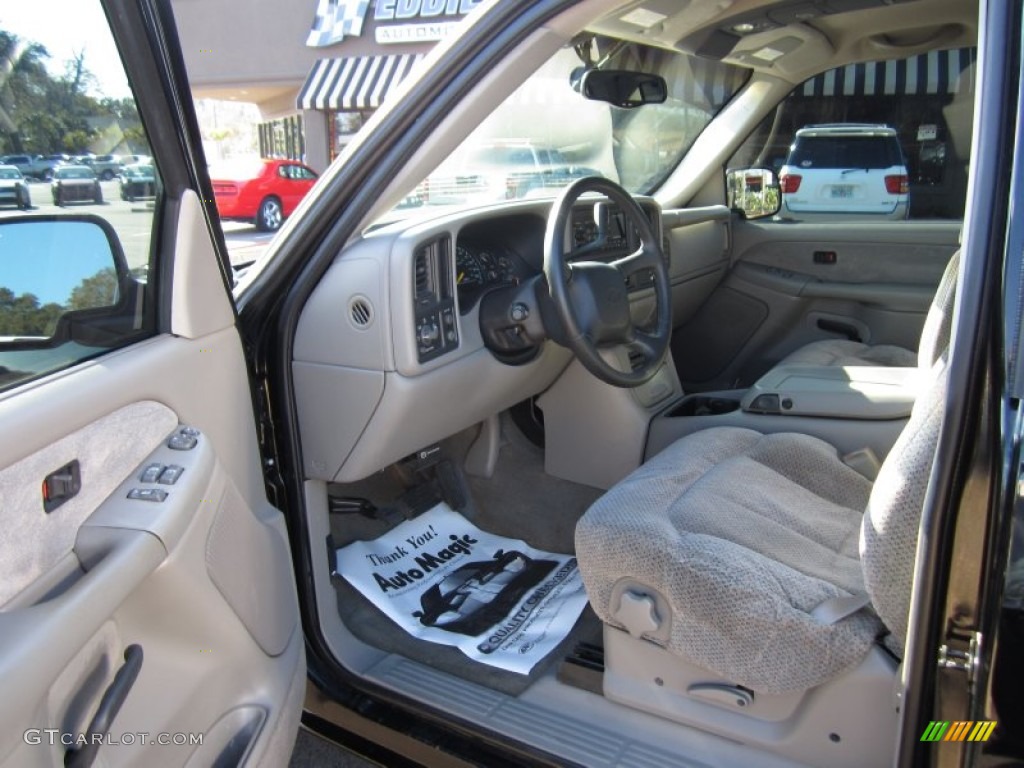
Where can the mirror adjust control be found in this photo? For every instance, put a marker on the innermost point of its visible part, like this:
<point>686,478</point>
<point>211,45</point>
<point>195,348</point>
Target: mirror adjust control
<point>181,441</point>
<point>170,475</point>
<point>151,473</point>
<point>147,494</point>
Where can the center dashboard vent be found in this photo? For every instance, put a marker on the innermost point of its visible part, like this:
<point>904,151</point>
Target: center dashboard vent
<point>433,299</point>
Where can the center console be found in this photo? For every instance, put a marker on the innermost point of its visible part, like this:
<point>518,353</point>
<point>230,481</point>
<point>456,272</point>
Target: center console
<point>850,407</point>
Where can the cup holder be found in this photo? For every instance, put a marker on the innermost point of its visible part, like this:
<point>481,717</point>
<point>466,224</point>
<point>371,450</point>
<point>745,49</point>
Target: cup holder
<point>705,405</point>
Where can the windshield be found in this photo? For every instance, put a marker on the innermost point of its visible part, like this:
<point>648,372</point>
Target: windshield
<point>9,173</point>
<point>545,135</point>
<point>75,173</point>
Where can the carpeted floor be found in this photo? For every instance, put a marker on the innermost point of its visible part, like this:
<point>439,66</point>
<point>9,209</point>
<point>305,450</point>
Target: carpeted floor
<point>520,501</point>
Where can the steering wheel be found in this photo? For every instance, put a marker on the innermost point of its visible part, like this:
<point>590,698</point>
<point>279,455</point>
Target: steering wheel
<point>590,297</point>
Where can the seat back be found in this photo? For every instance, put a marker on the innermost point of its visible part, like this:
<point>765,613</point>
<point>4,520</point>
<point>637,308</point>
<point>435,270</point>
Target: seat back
<point>889,529</point>
<point>938,325</point>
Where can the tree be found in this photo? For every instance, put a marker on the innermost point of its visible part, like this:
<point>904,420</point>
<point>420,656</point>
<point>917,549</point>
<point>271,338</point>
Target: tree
<point>100,290</point>
<point>24,85</point>
<point>22,315</point>
<point>42,114</point>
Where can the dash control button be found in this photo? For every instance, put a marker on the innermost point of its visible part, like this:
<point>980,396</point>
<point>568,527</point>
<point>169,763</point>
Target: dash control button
<point>147,494</point>
<point>181,441</point>
<point>151,473</point>
<point>170,475</point>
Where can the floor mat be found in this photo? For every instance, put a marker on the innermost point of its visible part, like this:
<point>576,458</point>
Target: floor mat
<point>520,501</point>
<point>443,580</point>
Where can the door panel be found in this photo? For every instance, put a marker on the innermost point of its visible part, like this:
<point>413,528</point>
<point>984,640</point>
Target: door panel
<point>791,284</point>
<point>201,581</point>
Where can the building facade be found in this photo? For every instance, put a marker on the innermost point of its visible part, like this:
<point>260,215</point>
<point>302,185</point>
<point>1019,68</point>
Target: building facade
<point>317,69</point>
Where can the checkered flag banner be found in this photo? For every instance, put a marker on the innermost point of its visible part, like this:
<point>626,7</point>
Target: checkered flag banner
<point>336,19</point>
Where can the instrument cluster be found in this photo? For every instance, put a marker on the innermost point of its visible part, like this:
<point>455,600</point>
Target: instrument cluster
<point>478,268</point>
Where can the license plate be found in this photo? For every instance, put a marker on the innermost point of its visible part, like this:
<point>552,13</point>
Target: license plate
<point>842,191</point>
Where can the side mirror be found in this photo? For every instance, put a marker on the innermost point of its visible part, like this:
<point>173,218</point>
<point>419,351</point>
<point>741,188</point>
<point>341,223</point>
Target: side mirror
<point>623,88</point>
<point>63,278</point>
<point>754,192</point>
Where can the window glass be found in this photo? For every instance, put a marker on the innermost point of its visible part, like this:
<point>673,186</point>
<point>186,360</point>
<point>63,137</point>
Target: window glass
<point>876,140</point>
<point>75,279</point>
<point>545,135</point>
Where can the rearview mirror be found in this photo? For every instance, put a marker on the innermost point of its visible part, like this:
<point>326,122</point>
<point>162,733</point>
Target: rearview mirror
<point>753,191</point>
<point>623,88</point>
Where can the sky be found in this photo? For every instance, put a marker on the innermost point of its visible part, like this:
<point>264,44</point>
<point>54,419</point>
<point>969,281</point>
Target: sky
<point>33,20</point>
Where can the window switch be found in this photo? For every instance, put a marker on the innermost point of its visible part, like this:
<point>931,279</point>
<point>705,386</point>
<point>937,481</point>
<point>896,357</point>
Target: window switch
<point>151,473</point>
<point>170,475</point>
<point>147,494</point>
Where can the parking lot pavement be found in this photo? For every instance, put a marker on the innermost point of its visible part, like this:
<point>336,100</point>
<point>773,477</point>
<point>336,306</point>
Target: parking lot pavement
<point>245,242</point>
<point>313,752</point>
<point>133,222</point>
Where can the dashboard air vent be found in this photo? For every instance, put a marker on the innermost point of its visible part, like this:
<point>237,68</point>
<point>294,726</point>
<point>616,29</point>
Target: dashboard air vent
<point>360,311</point>
<point>426,273</point>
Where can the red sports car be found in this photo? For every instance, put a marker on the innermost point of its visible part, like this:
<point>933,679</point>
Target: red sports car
<point>261,192</point>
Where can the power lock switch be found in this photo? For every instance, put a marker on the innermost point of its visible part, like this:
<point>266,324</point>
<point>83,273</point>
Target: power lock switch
<point>151,473</point>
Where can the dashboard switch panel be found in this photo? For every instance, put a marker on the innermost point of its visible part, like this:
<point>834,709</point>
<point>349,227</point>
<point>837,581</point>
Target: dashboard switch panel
<point>433,295</point>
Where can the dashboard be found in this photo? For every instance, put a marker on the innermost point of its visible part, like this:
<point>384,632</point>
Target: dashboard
<point>389,352</point>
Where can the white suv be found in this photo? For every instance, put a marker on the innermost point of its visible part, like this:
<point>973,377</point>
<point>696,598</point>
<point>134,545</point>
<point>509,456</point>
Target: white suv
<point>845,170</point>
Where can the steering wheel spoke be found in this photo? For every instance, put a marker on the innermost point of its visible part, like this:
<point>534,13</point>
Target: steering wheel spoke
<point>641,259</point>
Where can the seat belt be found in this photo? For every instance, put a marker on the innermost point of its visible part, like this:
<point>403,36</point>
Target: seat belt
<point>835,609</point>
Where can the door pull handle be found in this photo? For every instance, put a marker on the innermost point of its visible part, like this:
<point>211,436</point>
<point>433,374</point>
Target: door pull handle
<point>110,705</point>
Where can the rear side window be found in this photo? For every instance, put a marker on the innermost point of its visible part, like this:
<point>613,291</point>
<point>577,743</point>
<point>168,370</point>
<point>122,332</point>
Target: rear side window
<point>928,102</point>
<point>872,152</point>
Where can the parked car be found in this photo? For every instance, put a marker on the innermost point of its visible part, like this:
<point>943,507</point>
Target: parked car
<point>260,192</point>
<point>138,180</point>
<point>501,170</point>
<point>845,169</point>
<point>785,565</point>
<point>14,188</point>
<point>37,166</point>
<point>75,184</point>
<point>24,163</point>
<point>106,167</point>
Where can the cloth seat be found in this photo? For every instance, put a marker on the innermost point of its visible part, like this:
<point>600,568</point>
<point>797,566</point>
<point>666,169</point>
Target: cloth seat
<point>934,337</point>
<point>745,534</point>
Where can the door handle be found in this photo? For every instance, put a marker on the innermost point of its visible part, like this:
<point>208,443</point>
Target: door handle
<point>61,485</point>
<point>110,705</point>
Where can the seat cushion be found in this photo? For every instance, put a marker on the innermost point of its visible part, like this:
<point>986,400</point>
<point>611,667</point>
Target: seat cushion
<point>743,534</point>
<point>843,352</point>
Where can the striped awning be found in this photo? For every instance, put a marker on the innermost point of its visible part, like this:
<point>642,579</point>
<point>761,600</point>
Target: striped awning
<point>937,72</point>
<point>354,82</point>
